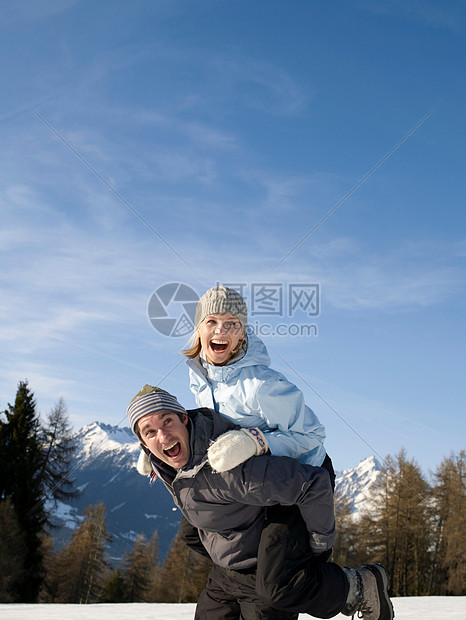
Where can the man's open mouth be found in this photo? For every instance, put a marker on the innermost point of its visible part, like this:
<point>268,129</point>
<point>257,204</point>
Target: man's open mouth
<point>218,345</point>
<point>173,451</point>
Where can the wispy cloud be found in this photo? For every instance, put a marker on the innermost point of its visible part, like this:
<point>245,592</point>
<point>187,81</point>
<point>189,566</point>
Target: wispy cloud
<point>42,376</point>
<point>30,11</point>
<point>449,15</point>
<point>260,84</point>
<point>411,276</point>
<point>93,260</point>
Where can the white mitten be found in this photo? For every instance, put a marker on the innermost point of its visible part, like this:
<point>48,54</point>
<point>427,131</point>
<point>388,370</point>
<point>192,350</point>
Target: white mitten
<point>235,447</point>
<point>143,465</point>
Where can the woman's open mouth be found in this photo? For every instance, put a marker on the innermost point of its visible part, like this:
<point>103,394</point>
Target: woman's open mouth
<point>173,451</point>
<point>218,346</point>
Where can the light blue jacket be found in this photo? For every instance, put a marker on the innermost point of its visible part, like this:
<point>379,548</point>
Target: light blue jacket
<point>250,393</point>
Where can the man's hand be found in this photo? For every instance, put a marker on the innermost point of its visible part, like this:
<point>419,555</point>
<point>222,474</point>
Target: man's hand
<point>235,447</point>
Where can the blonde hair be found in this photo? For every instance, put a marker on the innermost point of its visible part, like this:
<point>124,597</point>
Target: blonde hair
<point>195,348</point>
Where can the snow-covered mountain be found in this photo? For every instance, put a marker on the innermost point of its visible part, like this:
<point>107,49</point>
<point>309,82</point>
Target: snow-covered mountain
<point>104,470</point>
<point>357,484</point>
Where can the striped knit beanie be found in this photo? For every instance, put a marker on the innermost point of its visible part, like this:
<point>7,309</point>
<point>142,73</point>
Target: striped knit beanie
<point>221,299</point>
<point>151,400</point>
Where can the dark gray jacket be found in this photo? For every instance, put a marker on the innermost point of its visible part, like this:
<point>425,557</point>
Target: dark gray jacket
<point>229,508</point>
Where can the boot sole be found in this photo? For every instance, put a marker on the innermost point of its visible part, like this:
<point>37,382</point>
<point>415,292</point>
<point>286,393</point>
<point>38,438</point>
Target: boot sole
<point>386,608</point>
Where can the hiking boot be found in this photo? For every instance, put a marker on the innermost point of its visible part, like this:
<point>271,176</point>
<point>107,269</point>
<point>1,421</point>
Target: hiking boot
<point>368,593</point>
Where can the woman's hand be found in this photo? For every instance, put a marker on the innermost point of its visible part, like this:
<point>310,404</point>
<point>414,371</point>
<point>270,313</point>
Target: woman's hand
<point>235,447</point>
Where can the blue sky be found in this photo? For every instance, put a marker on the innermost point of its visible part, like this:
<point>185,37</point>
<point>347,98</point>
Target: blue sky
<point>203,141</point>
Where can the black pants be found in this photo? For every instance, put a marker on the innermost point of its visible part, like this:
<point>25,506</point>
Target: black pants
<point>289,576</point>
<point>232,595</point>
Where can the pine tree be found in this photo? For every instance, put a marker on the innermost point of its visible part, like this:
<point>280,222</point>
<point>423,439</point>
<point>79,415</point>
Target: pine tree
<point>21,463</point>
<point>449,557</point>
<point>183,574</point>
<point>81,564</point>
<point>58,448</point>
<point>113,587</point>
<point>398,528</point>
<point>170,584</point>
<point>140,570</point>
<point>346,550</point>
<point>12,551</point>
<point>48,590</point>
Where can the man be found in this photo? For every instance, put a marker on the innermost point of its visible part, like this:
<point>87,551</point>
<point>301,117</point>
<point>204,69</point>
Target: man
<point>229,509</point>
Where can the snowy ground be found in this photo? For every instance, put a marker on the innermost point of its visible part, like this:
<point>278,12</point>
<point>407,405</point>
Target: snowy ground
<point>412,608</point>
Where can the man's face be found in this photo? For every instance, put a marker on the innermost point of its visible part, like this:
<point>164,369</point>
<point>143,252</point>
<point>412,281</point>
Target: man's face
<point>166,436</point>
<point>220,335</point>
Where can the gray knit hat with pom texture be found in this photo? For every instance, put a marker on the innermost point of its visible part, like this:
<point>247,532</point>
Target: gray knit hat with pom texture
<point>221,299</point>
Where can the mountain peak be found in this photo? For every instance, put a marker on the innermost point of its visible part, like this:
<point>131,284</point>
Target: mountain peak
<point>104,470</point>
<point>356,484</point>
<point>98,438</point>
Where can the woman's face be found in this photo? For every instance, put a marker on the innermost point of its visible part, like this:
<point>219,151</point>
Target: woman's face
<point>220,336</point>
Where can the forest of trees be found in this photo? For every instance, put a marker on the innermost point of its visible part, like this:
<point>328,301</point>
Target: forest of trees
<point>412,525</point>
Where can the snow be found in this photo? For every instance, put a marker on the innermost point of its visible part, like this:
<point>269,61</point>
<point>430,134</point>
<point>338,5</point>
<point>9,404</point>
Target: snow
<point>63,512</point>
<point>97,438</point>
<point>356,484</point>
<point>148,516</point>
<point>409,608</point>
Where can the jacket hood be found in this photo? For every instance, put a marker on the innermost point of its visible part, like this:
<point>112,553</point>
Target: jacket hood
<point>256,354</point>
